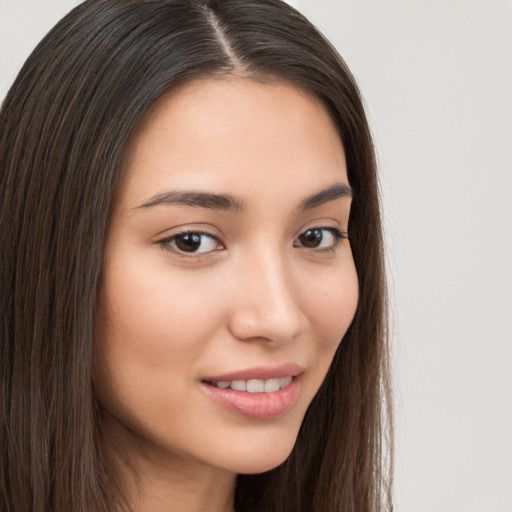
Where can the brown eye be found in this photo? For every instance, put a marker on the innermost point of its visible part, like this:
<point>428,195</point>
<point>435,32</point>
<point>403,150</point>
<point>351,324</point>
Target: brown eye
<point>192,242</point>
<point>320,238</point>
<point>311,238</point>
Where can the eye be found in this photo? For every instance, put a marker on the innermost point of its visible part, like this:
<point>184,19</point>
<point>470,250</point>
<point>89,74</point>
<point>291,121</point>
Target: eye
<point>194,242</point>
<point>320,238</point>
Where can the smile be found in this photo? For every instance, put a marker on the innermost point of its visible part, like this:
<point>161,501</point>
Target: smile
<point>258,393</point>
<point>254,385</point>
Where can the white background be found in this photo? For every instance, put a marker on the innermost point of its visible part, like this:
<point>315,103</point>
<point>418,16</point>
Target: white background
<point>437,78</point>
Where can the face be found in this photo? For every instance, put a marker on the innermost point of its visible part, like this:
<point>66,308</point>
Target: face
<point>228,279</point>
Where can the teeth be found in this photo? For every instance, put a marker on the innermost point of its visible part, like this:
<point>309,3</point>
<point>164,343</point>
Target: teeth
<point>272,385</point>
<point>255,385</point>
<point>238,385</point>
<point>284,381</point>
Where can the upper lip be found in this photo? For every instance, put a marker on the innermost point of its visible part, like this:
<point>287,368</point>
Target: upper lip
<point>259,373</point>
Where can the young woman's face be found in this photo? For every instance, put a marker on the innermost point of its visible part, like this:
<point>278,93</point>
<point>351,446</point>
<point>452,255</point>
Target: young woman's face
<point>228,280</point>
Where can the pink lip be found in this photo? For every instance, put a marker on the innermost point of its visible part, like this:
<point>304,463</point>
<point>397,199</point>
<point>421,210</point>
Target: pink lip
<point>256,406</point>
<point>259,373</point>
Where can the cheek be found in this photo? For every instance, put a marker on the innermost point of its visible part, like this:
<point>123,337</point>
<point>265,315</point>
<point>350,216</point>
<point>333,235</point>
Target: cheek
<point>150,310</point>
<point>152,330</point>
<point>333,308</point>
<point>330,310</point>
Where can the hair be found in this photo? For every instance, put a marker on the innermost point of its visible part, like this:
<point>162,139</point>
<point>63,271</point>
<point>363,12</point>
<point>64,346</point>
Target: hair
<point>64,127</point>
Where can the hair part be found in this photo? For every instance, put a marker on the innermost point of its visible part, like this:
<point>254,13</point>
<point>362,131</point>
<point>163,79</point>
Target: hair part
<point>64,128</point>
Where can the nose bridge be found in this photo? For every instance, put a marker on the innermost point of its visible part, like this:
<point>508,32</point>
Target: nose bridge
<point>267,303</point>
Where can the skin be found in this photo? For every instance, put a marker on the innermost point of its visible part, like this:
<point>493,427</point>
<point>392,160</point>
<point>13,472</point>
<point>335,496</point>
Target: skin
<point>254,295</point>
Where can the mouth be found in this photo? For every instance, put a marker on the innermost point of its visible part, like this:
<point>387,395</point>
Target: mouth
<point>258,394</point>
<point>254,385</point>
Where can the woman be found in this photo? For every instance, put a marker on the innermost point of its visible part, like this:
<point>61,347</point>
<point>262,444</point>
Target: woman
<point>193,290</point>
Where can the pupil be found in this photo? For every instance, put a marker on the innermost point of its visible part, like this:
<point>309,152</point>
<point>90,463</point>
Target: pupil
<point>188,242</point>
<point>311,238</point>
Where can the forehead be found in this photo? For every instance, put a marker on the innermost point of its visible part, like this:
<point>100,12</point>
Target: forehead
<point>234,134</point>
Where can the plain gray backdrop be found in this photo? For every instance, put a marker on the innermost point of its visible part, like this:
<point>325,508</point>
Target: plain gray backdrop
<point>437,78</point>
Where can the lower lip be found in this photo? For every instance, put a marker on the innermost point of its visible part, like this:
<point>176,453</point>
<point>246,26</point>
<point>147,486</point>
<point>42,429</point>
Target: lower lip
<point>256,406</point>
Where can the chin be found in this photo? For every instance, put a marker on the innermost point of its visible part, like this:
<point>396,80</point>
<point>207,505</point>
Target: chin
<point>260,463</point>
<point>259,456</point>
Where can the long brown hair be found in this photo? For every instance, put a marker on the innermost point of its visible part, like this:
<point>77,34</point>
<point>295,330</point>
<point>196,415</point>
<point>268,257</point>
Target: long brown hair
<point>64,127</point>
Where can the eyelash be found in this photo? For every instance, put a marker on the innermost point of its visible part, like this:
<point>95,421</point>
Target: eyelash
<point>335,232</point>
<point>169,243</point>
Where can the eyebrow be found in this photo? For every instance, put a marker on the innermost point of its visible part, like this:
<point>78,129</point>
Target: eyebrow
<point>324,196</point>
<point>197,200</point>
<point>226,202</point>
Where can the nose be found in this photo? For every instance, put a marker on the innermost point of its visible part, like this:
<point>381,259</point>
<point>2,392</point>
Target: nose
<point>267,304</point>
